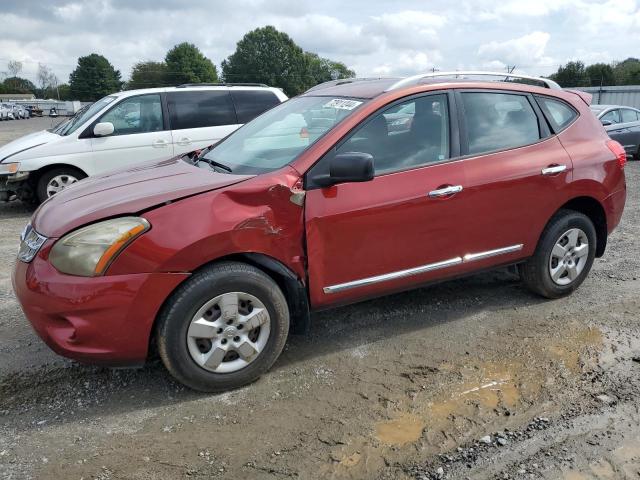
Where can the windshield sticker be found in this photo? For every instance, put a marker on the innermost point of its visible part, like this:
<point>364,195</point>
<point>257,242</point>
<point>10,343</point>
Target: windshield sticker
<point>342,104</point>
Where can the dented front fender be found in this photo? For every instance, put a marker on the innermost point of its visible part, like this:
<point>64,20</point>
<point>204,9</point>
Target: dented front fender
<point>261,215</point>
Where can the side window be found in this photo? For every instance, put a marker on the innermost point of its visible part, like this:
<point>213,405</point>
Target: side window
<point>407,135</point>
<point>559,114</point>
<point>200,109</point>
<point>629,115</point>
<point>140,114</point>
<point>613,116</point>
<point>497,121</point>
<point>251,103</point>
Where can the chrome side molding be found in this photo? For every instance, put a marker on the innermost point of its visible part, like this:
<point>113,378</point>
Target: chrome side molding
<point>470,257</point>
<point>393,276</point>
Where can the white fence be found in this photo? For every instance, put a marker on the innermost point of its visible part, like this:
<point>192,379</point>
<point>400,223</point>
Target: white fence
<point>628,95</point>
<point>62,108</point>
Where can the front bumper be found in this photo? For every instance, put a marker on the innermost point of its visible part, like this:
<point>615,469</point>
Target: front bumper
<point>15,184</point>
<point>101,320</point>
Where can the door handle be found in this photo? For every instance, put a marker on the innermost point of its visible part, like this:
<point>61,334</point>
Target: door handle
<point>445,191</point>
<point>184,141</point>
<point>553,169</point>
<point>160,143</point>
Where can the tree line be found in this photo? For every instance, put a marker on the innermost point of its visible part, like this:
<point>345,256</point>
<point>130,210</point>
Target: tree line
<point>264,55</point>
<point>576,74</point>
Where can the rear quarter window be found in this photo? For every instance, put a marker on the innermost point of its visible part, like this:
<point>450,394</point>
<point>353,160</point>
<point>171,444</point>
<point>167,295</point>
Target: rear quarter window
<point>200,109</point>
<point>251,103</point>
<point>559,114</point>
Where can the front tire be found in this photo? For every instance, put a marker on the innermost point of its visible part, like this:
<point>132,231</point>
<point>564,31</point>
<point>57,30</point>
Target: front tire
<point>56,180</point>
<point>223,328</point>
<point>563,257</point>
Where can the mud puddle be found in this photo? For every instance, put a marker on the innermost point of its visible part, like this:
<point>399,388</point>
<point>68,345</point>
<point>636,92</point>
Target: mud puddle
<point>485,396</point>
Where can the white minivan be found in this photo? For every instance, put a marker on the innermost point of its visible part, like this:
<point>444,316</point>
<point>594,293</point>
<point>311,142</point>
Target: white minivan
<point>126,128</point>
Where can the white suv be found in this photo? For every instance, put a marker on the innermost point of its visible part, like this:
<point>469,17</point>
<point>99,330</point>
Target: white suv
<point>126,128</point>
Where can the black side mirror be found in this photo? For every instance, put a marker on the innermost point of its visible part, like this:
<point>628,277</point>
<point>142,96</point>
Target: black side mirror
<point>606,123</point>
<point>347,167</point>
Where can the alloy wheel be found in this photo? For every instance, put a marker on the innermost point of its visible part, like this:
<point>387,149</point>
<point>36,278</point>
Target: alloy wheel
<point>228,332</point>
<point>569,256</point>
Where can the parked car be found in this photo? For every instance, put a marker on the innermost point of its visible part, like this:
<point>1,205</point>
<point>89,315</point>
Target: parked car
<point>10,111</point>
<point>622,124</point>
<point>216,261</point>
<point>24,112</point>
<point>17,112</point>
<point>127,128</point>
<point>4,112</point>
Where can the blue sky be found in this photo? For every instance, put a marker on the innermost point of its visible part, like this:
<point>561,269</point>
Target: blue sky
<point>374,38</point>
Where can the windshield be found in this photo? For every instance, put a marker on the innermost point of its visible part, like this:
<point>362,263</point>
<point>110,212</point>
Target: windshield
<point>82,116</point>
<point>278,136</point>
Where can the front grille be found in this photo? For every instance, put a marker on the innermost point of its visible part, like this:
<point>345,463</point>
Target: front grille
<point>30,243</point>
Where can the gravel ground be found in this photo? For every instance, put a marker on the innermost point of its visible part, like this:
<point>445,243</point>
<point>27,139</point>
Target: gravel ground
<point>474,378</point>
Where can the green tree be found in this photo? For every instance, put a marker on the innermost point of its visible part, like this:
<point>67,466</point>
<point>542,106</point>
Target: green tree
<point>18,85</point>
<point>93,78</point>
<point>627,72</point>
<point>185,63</point>
<point>572,74</point>
<point>64,91</point>
<point>148,75</point>
<point>600,74</point>
<point>266,55</point>
<point>322,70</point>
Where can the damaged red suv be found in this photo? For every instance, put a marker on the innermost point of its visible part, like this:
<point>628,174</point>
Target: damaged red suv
<point>355,189</point>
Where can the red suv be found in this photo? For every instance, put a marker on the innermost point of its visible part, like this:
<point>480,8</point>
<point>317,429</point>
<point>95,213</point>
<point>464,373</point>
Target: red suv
<point>355,189</point>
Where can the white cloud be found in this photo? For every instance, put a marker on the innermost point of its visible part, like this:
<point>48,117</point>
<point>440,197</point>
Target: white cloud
<point>374,38</point>
<point>327,34</point>
<point>527,50</point>
<point>410,29</point>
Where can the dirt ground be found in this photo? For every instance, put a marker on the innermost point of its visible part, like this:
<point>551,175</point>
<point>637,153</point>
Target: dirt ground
<point>475,378</point>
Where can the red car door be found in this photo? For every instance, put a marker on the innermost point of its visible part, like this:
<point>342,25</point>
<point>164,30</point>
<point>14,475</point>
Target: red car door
<point>516,171</point>
<point>403,227</point>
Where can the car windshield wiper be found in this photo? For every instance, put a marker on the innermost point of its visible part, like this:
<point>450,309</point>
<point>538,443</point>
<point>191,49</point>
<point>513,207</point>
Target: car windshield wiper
<point>213,163</point>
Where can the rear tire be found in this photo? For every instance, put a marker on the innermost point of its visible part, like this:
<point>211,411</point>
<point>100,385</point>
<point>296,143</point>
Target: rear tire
<point>563,257</point>
<point>199,321</point>
<point>61,176</point>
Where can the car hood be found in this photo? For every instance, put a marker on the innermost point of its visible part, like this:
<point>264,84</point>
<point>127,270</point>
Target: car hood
<point>25,143</point>
<point>125,192</point>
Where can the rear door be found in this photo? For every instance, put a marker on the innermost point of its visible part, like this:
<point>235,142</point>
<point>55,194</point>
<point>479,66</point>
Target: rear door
<point>140,134</point>
<point>516,173</point>
<point>200,118</point>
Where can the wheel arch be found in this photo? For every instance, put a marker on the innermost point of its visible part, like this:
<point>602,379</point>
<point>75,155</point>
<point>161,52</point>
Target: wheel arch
<point>593,209</point>
<point>293,288</point>
<point>36,174</point>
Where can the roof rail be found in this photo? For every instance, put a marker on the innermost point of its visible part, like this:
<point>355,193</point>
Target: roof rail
<point>341,81</point>
<point>184,85</point>
<point>463,74</point>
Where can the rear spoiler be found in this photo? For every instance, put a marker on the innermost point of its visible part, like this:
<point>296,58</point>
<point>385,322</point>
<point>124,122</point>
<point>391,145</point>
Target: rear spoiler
<point>586,97</point>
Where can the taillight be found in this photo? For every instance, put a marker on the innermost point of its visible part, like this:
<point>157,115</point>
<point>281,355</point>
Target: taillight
<point>618,151</point>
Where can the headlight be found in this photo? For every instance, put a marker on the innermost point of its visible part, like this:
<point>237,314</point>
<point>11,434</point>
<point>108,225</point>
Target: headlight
<point>9,168</point>
<point>89,251</point>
